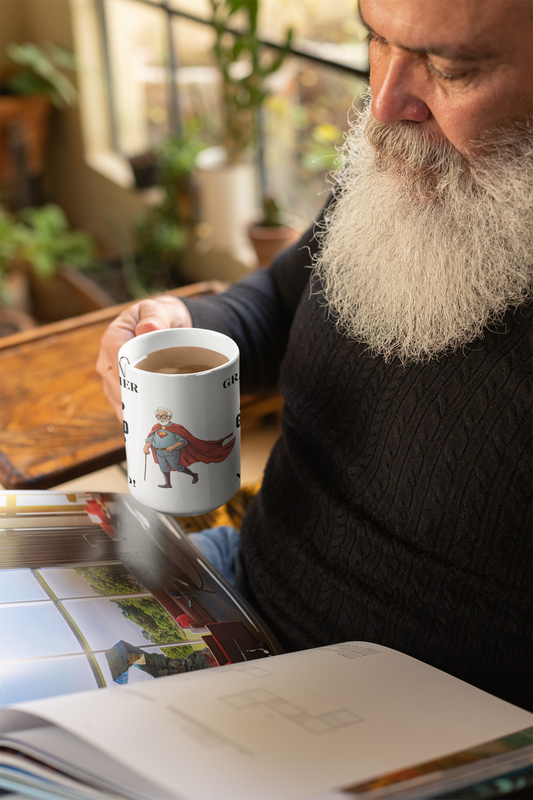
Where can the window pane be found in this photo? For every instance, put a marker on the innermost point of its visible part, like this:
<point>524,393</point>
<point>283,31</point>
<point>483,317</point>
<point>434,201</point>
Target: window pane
<point>198,78</point>
<point>136,620</point>
<point>93,581</point>
<point>137,37</point>
<point>327,29</point>
<point>20,585</point>
<point>33,630</point>
<point>307,113</point>
<point>21,681</point>
<point>304,121</point>
<point>305,116</point>
<point>200,8</point>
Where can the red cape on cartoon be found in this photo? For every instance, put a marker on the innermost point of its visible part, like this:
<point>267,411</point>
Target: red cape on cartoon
<point>197,449</point>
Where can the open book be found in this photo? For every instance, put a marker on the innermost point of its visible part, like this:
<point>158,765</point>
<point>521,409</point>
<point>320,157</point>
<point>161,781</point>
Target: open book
<point>98,591</point>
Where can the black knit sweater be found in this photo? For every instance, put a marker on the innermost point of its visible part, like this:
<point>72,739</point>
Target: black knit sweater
<point>396,506</point>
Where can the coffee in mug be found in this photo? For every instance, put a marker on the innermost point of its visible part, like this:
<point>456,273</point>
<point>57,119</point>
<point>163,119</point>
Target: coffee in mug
<point>181,416</point>
<point>181,360</point>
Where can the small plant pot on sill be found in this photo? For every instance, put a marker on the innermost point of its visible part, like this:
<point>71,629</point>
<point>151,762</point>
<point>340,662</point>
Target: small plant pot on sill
<point>268,241</point>
<point>145,169</point>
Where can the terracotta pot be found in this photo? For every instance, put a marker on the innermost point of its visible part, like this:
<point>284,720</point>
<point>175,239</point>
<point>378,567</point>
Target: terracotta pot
<point>24,120</point>
<point>14,321</point>
<point>268,241</point>
<point>66,294</point>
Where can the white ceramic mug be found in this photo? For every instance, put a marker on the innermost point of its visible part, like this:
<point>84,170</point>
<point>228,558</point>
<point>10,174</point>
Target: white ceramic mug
<point>182,431</point>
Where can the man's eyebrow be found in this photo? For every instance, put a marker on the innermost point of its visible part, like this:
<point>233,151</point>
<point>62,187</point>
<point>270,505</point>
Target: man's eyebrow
<point>465,53</point>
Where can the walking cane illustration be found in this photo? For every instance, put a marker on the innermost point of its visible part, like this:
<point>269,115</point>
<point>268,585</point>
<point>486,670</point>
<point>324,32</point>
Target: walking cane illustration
<point>145,460</point>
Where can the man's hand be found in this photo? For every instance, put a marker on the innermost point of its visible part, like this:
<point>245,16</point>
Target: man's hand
<point>153,314</point>
<point>175,447</point>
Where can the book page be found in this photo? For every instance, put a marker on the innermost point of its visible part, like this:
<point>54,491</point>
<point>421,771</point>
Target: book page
<point>96,591</point>
<point>64,755</point>
<point>288,726</point>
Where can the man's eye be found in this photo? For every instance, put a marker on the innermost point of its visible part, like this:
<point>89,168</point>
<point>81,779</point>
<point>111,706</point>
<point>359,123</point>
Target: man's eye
<point>373,37</point>
<point>445,76</point>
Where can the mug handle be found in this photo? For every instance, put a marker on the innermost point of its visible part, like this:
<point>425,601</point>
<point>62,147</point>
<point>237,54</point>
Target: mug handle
<point>120,364</point>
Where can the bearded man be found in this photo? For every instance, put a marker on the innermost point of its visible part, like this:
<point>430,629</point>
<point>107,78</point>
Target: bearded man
<point>396,506</point>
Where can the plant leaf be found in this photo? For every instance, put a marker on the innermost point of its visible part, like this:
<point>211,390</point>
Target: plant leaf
<point>61,90</point>
<point>61,57</point>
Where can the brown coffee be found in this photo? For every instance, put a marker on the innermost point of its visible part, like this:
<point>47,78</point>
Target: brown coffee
<point>181,360</point>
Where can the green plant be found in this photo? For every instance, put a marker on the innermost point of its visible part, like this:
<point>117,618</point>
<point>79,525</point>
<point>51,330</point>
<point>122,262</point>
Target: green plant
<point>271,213</point>
<point>50,244</point>
<point>177,155</point>
<point>12,235</point>
<point>41,237</point>
<point>245,67</point>
<point>161,234</point>
<point>43,73</point>
<point>160,241</point>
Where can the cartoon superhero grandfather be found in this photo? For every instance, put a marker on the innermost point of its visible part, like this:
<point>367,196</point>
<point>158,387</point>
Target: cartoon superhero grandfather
<point>175,449</point>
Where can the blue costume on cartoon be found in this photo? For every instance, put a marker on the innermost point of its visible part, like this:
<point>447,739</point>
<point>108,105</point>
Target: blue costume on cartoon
<point>163,439</point>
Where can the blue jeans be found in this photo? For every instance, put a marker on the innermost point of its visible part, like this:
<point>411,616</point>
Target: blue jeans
<point>221,547</point>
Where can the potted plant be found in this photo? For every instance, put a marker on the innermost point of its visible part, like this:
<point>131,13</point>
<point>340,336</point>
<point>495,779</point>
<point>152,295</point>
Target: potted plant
<point>227,174</point>
<point>26,99</point>
<point>270,234</point>
<point>162,232</point>
<point>40,263</point>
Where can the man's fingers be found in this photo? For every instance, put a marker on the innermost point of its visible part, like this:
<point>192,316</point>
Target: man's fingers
<point>152,314</point>
<point>159,313</point>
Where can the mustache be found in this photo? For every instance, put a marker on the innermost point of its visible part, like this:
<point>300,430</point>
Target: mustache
<point>404,149</point>
<point>427,166</point>
<point>404,143</point>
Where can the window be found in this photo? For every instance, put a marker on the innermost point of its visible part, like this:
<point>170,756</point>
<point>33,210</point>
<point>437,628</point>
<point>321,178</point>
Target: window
<point>161,76</point>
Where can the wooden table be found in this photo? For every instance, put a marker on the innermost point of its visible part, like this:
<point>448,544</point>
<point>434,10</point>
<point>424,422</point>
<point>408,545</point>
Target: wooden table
<point>55,421</point>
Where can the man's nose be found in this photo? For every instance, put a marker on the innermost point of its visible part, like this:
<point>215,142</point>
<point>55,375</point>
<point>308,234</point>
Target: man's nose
<point>396,86</point>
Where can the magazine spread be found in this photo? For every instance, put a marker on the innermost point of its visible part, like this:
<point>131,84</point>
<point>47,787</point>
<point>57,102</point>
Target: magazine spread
<point>351,719</point>
<point>97,590</point>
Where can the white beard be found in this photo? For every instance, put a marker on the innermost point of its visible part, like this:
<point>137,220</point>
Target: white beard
<point>425,247</point>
